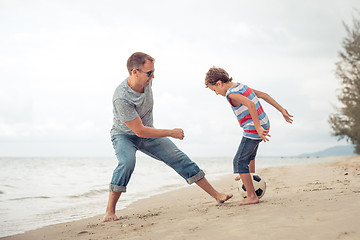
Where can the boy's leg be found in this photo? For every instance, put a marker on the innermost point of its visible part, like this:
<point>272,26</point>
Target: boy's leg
<point>252,157</point>
<point>251,169</point>
<point>125,149</point>
<point>252,166</point>
<point>251,198</point>
<point>165,150</point>
<point>244,163</point>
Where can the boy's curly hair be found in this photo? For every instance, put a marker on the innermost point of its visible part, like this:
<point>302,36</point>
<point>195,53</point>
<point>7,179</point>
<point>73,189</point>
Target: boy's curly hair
<point>216,74</point>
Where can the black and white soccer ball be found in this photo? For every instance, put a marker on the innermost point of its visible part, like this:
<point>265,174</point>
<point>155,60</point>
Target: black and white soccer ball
<point>259,185</point>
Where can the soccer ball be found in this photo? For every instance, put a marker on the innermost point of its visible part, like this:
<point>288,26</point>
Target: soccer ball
<point>259,185</point>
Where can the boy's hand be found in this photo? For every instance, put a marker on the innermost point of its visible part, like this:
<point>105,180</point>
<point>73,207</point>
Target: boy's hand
<point>263,134</point>
<point>286,115</point>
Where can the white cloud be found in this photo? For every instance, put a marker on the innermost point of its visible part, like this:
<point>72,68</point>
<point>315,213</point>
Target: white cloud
<point>61,61</point>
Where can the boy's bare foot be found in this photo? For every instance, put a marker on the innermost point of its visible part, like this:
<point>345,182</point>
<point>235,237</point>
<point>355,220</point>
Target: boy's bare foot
<point>237,178</point>
<point>110,217</point>
<point>223,198</point>
<point>247,201</point>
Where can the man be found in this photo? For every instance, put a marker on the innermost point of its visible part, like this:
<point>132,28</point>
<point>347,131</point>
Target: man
<point>133,130</point>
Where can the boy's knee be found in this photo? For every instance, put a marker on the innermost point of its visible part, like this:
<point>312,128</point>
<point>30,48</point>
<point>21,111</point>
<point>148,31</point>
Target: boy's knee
<point>241,167</point>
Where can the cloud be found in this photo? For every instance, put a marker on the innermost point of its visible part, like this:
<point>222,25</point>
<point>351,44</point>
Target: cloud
<point>61,61</point>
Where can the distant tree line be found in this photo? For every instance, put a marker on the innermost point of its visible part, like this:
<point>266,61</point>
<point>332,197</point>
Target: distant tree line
<point>346,122</point>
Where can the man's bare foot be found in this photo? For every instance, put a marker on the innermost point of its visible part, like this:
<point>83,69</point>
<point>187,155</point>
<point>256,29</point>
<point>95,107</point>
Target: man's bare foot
<point>110,217</point>
<point>247,201</point>
<point>223,198</point>
<point>237,178</point>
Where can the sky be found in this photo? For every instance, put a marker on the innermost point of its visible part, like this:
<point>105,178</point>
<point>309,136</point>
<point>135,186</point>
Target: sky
<point>60,62</point>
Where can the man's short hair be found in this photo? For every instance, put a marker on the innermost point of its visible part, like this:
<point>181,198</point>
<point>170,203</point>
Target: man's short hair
<point>137,60</point>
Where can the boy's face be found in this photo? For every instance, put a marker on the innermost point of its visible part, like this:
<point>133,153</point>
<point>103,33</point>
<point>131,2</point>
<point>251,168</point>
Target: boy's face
<point>218,88</point>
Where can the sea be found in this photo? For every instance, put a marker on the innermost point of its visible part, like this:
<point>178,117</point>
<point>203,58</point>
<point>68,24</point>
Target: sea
<point>37,192</point>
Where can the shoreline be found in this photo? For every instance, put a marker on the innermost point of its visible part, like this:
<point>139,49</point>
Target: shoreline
<point>312,201</point>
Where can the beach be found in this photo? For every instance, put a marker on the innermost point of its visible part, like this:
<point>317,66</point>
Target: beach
<point>312,201</point>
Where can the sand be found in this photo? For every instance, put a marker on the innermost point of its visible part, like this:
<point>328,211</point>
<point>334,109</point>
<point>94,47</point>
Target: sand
<point>315,201</point>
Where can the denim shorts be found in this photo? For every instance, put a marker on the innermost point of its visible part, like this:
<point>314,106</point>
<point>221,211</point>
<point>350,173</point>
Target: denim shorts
<point>246,152</point>
<point>162,149</point>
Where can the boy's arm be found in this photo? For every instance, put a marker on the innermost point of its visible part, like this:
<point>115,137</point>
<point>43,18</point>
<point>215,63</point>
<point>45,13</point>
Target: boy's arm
<point>275,104</point>
<point>237,99</point>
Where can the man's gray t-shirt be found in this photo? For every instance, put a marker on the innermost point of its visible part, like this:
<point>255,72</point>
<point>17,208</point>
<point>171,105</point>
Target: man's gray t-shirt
<point>128,105</point>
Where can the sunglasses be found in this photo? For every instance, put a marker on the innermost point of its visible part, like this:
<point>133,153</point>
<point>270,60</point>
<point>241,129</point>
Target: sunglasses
<point>149,73</point>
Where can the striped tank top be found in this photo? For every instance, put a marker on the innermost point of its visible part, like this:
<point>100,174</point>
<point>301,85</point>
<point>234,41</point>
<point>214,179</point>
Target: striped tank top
<point>242,112</point>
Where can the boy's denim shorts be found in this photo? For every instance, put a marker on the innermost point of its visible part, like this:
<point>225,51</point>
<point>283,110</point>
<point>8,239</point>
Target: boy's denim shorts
<point>246,152</point>
<point>159,148</point>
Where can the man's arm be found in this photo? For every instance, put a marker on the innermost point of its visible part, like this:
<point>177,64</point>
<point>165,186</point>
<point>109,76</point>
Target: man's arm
<point>140,130</point>
<point>275,104</point>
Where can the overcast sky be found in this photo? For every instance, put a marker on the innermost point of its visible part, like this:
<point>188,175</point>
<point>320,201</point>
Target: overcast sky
<point>60,62</point>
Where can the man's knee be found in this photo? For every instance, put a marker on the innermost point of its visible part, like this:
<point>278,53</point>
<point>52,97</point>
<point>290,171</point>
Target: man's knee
<point>127,165</point>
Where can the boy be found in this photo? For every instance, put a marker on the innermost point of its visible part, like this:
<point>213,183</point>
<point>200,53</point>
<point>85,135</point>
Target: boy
<point>252,118</point>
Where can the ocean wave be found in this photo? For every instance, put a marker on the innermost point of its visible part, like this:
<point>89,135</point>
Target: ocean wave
<point>90,193</point>
<point>25,198</point>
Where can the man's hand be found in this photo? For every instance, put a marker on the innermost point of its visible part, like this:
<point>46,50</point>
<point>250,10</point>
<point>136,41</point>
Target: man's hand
<point>177,133</point>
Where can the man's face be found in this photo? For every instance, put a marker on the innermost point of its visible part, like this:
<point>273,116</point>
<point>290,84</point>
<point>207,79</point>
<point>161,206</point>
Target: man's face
<point>146,73</point>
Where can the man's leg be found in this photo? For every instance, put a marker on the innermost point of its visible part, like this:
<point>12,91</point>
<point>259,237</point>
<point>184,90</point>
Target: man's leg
<point>166,151</point>
<point>125,149</point>
<point>206,186</point>
<point>110,210</point>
